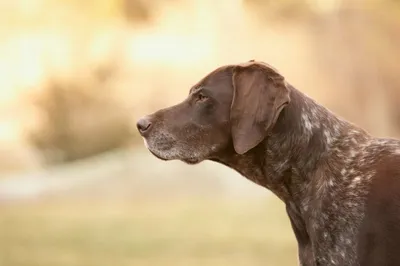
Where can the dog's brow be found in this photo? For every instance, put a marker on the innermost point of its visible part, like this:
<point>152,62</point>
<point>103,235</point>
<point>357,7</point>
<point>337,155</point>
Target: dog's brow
<point>195,89</point>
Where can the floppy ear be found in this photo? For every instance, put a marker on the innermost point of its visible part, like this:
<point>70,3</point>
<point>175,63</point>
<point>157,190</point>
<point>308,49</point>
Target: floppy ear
<point>260,94</point>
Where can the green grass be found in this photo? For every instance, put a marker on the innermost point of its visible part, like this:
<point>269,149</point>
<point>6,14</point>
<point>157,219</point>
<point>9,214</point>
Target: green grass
<point>191,232</point>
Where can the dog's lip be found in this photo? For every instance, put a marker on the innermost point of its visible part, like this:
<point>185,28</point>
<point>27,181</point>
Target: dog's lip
<point>191,160</point>
<point>163,143</point>
<point>145,143</point>
<point>158,156</point>
<point>155,148</point>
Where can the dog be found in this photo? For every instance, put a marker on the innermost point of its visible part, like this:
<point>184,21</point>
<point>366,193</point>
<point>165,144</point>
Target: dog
<point>340,185</point>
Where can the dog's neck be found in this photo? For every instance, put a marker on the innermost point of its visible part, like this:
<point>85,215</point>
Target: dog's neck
<point>305,135</point>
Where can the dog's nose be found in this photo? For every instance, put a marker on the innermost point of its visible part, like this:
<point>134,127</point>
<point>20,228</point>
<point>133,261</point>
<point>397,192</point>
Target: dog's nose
<point>143,125</point>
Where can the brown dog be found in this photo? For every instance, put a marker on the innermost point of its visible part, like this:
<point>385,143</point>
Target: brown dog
<point>341,186</point>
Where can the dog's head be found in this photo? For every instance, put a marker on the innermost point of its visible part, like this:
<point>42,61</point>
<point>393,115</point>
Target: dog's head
<point>233,106</point>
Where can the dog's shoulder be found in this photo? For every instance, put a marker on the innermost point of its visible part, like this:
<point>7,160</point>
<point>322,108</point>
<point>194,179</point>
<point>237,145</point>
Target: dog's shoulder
<point>380,229</point>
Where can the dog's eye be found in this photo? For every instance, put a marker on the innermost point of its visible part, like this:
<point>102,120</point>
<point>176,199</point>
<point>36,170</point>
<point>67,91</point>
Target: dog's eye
<point>201,97</point>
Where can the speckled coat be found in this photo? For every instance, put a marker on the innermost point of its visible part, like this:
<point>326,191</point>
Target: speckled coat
<point>341,186</point>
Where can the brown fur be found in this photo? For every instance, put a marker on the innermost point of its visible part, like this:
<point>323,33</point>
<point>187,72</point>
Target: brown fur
<point>341,186</point>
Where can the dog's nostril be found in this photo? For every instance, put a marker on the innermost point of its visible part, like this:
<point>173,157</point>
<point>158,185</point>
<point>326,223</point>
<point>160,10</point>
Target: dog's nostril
<point>143,125</point>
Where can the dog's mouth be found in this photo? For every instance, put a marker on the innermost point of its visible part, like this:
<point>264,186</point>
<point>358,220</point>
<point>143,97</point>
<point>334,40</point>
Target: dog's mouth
<point>160,149</point>
<point>169,150</point>
<point>191,160</point>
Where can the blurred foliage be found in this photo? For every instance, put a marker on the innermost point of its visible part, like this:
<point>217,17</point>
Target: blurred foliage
<point>362,66</point>
<point>92,11</point>
<point>139,11</point>
<point>285,9</point>
<point>79,118</point>
<point>136,10</point>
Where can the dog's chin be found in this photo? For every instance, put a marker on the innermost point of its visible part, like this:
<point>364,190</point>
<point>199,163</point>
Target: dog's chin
<point>159,156</point>
<point>164,157</point>
<point>191,161</point>
<point>169,153</point>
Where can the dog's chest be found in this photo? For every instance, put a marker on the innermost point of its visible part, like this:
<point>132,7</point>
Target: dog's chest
<point>334,234</point>
<point>333,211</point>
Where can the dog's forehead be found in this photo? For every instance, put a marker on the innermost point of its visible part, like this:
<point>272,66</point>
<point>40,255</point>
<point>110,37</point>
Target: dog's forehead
<point>259,63</point>
<point>225,70</point>
<point>214,76</point>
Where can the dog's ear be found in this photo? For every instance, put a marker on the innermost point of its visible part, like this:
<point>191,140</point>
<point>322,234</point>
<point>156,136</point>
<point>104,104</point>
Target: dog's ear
<point>260,94</point>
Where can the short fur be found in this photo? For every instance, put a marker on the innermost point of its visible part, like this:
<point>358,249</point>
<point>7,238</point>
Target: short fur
<point>341,186</point>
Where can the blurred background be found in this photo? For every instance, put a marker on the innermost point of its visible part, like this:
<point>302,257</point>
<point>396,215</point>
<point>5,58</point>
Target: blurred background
<point>77,187</point>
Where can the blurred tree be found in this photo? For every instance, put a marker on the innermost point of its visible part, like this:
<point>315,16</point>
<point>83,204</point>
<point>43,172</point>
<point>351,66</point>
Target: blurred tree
<point>363,65</point>
<point>284,9</point>
<point>136,10</point>
<point>142,11</point>
<point>79,119</point>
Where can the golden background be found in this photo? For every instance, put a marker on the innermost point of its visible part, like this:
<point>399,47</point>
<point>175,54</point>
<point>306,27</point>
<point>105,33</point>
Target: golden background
<point>77,187</point>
